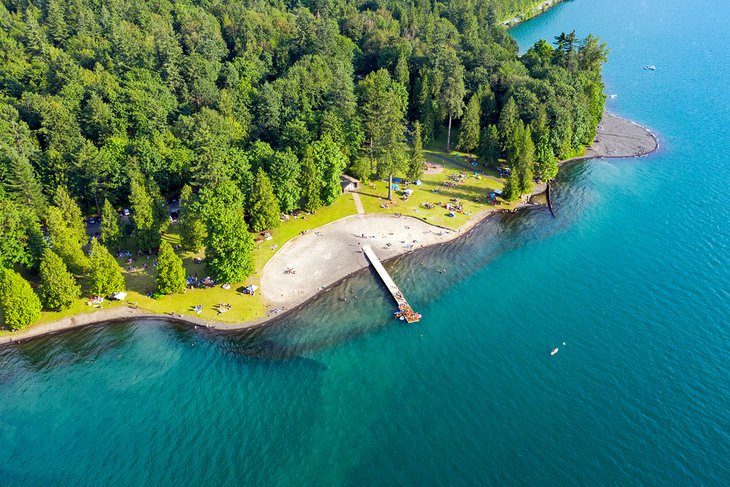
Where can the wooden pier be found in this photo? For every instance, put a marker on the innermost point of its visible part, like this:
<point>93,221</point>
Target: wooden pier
<point>405,309</point>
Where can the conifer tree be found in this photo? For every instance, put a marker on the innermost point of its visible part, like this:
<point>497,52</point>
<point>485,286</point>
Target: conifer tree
<point>469,134</point>
<point>149,212</point>
<point>331,163</point>
<point>57,288</point>
<point>285,180</point>
<point>452,93</point>
<point>508,121</point>
<point>14,238</point>
<point>71,213</point>
<point>489,145</point>
<point>105,275</point>
<point>19,305</point>
<point>64,241</point>
<point>511,190</point>
<point>264,212</point>
<point>24,185</point>
<point>415,164</point>
<point>229,245</point>
<point>170,272</point>
<point>192,226</point>
<point>400,72</point>
<point>526,162</point>
<point>384,104</point>
<point>425,108</point>
<point>110,232</point>
<point>545,160</point>
<point>311,183</point>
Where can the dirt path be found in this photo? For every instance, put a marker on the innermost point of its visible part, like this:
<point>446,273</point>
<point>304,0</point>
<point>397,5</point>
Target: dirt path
<point>358,204</point>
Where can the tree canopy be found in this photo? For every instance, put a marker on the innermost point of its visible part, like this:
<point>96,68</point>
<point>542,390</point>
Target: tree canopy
<point>57,288</point>
<point>19,305</point>
<point>250,109</point>
<point>105,275</point>
<point>170,272</point>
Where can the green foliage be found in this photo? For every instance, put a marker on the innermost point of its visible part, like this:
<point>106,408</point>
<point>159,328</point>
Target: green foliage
<point>511,191</point>
<point>545,161</point>
<point>384,104</point>
<point>19,305</point>
<point>521,157</point>
<point>285,180</point>
<point>170,272</point>
<point>130,103</point>
<point>64,241</point>
<point>229,245</point>
<point>14,236</point>
<point>508,119</point>
<point>453,91</point>
<point>311,183</point>
<point>264,208</point>
<point>110,231</point>
<point>105,275</point>
<point>57,289</point>
<point>71,214</point>
<point>331,162</point>
<point>469,134</point>
<point>489,145</point>
<point>192,226</point>
<point>417,160</point>
<point>149,212</point>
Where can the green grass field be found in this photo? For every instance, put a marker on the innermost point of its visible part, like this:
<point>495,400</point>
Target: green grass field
<point>471,191</point>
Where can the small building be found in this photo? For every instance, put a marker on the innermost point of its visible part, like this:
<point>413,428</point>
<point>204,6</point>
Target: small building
<point>349,183</point>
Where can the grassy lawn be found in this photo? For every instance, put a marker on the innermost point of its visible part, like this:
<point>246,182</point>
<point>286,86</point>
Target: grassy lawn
<point>471,191</point>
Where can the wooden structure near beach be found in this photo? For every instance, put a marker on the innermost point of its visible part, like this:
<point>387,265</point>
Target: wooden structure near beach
<point>405,309</point>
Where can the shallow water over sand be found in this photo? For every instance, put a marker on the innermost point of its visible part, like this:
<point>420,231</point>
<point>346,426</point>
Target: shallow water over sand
<point>632,276</point>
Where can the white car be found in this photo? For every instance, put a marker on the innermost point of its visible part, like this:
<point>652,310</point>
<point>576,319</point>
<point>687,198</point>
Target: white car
<point>125,212</point>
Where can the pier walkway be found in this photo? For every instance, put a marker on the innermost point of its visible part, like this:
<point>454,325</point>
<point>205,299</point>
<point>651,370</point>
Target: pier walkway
<point>405,309</point>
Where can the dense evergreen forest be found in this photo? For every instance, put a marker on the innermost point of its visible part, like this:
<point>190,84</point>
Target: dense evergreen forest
<point>251,108</point>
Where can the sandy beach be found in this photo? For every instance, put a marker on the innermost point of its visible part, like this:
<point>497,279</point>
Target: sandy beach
<point>618,138</point>
<point>318,259</point>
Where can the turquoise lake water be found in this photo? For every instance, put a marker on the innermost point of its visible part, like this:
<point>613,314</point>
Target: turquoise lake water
<point>633,275</point>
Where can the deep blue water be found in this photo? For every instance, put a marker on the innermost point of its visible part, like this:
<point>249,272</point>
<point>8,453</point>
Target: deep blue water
<point>632,276</point>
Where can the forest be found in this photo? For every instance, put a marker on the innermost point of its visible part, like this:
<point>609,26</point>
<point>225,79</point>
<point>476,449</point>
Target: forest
<point>247,110</point>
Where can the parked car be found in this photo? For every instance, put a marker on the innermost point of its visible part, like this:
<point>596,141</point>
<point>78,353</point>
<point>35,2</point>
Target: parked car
<point>125,212</point>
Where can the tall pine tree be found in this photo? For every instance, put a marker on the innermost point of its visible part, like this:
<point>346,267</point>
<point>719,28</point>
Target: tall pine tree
<point>105,275</point>
<point>192,226</point>
<point>110,232</point>
<point>469,134</point>
<point>64,241</point>
<point>19,305</point>
<point>415,163</point>
<point>170,272</point>
<point>264,208</point>
<point>311,183</point>
<point>58,289</point>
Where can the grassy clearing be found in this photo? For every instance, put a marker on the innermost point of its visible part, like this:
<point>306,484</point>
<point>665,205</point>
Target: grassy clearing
<point>472,192</point>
